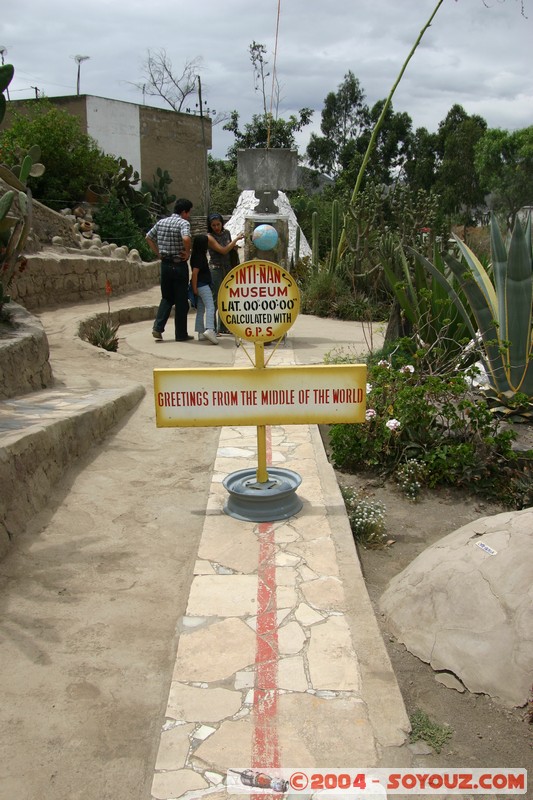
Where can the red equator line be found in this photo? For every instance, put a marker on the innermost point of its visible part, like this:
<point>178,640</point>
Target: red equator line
<point>265,747</point>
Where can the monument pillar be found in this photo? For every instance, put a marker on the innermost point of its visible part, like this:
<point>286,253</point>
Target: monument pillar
<point>265,171</point>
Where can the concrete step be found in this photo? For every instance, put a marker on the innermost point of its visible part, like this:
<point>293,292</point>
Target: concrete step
<point>41,435</point>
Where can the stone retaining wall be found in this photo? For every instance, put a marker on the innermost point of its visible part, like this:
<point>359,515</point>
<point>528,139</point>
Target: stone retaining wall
<point>56,277</point>
<point>24,352</point>
<point>34,459</point>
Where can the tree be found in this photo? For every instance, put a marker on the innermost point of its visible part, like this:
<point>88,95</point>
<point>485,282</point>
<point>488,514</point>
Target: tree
<point>504,162</point>
<point>160,80</point>
<point>264,129</point>
<point>421,167</point>
<point>345,117</point>
<point>457,180</point>
<point>257,57</point>
<point>224,193</point>
<point>72,159</point>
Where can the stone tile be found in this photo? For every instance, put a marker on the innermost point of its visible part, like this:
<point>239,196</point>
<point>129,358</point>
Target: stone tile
<point>305,452</point>
<point>311,526</point>
<point>216,779</point>
<point>223,595</point>
<point>174,747</point>
<point>310,490</point>
<point>324,594</point>
<point>245,679</point>
<point>285,533</point>
<point>202,705</point>
<point>318,554</point>
<point>229,543</point>
<point>307,615</point>
<point>286,597</point>
<point>286,559</point>
<point>203,568</point>
<point>203,732</point>
<point>291,674</point>
<point>192,622</point>
<point>173,784</point>
<point>286,576</point>
<point>291,638</point>
<point>332,731</point>
<point>332,661</point>
<point>235,452</point>
<point>307,574</point>
<point>204,655</point>
<point>229,746</point>
<point>281,614</point>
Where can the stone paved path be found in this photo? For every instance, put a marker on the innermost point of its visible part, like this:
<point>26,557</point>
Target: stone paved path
<point>151,641</point>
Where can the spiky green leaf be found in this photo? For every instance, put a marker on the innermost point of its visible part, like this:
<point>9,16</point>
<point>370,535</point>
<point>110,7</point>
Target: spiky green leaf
<point>6,201</point>
<point>518,300</point>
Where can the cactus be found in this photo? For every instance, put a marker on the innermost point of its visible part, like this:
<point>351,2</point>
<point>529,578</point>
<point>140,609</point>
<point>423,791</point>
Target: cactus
<point>6,76</point>
<point>15,227</point>
<point>314,240</point>
<point>297,245</point>
<point>335,235</point>
<point>159,190</point>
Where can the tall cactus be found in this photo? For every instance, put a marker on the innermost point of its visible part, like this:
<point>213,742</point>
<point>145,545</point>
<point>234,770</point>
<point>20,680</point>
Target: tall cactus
<point>335,235</point>
<point>297,244</point>
<point>14,227</point>
<point>314,240</point>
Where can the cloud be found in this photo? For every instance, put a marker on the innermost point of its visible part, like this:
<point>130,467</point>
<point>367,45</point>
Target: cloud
<point>476,53</point>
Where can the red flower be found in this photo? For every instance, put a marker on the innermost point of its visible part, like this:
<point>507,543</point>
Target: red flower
<point>108,287</point>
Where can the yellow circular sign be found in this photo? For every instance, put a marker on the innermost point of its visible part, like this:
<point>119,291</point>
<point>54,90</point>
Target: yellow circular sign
<point>258,301</point>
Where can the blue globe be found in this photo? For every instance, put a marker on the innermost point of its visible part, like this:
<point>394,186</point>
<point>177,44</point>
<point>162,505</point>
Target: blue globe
<point>265,237</point>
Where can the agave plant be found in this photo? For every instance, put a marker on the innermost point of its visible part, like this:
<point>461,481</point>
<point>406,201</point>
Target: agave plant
<point>502,308</point>
<point>433,307</point>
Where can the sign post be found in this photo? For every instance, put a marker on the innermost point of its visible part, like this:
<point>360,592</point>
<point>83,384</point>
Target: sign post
<point>258,302</point>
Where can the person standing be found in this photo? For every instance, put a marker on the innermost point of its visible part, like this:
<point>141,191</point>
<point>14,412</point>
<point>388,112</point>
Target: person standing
<point>170,240</point>
<point>201,286</point>
<point>220,245</point>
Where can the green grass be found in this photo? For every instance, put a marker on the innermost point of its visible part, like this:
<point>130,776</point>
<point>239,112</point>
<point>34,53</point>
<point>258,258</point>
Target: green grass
<point>422,728</point>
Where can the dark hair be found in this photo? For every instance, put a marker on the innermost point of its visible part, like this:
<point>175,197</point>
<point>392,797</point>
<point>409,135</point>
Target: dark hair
<point>199,244</point>
<point>211,218</point>
<point>182,205</point>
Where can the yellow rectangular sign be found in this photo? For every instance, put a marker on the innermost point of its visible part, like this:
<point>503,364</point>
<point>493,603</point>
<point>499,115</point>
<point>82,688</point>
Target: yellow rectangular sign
<point>316,394</point>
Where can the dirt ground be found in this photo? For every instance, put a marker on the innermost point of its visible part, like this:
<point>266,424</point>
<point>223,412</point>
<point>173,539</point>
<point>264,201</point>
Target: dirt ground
<point>484,734</point>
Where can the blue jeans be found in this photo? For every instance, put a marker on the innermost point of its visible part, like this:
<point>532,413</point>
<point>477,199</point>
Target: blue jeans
<point>174,287</point>
<point>205,305</point>
<point>217,276</point>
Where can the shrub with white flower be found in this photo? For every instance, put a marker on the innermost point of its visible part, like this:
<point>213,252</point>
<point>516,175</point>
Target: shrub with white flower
<point>436,419</point>
<point>411,477</point>
<point>367,518</point>
<point>368,388</point>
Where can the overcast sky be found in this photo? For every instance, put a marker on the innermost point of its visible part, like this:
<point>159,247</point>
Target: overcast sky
<point>477,53</point>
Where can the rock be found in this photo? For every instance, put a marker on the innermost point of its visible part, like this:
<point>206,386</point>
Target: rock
<point>420,748</point>
<point>465,605</point>
<point>450,681</point>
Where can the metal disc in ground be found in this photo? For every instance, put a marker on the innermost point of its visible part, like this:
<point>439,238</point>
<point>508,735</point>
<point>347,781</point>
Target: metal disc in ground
<point>272,500</point>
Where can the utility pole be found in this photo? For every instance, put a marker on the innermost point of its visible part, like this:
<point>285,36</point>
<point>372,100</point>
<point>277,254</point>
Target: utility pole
<point>206,193</point>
